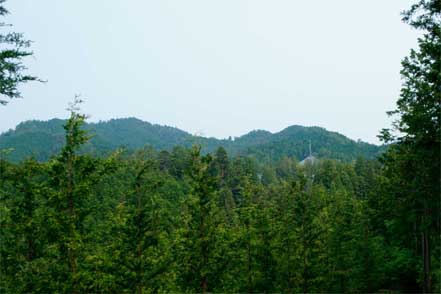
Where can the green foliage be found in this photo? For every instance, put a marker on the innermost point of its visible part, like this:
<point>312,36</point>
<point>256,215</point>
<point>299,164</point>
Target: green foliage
<point>246,217</point>
<point>45,139</point>
<point>12,69</point>
<point>412,165</point>
<point>183,221</point>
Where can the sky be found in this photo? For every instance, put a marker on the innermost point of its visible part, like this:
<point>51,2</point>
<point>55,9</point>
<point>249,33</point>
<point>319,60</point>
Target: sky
<point>217,68</point>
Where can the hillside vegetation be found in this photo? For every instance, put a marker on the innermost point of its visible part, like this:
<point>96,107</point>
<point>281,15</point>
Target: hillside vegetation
<point>43,139</point>
<point>125,206</point>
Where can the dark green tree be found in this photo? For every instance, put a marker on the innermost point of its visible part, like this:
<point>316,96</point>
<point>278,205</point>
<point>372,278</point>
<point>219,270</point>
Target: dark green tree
<point>412,164</point>
<point>73,178</point>
<point>23,233</point>
<point>199,226</point>
<point>12,69</point>
<point>148,255</point>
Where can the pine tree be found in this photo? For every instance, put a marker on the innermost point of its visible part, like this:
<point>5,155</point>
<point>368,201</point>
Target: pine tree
<point>413,163</point>
<point>148,256</point>
<point>73,177</point>
<point>23,233</point>
<point>198,232</point>
<point>12,69</point>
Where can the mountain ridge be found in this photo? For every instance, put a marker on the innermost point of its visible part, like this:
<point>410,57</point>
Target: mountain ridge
<point>42,139</point>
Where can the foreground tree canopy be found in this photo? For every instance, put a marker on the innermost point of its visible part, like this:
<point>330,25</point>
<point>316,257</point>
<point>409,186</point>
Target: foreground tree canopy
<point>412,164</point>
<point>180,221</point>
<point>183,221</point>
<point>12,52</point>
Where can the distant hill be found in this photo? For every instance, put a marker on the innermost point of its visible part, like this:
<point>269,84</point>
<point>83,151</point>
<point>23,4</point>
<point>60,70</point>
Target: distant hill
<point>43,139</point>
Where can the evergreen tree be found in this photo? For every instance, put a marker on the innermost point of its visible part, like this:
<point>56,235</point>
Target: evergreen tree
<point>198,232</point>
<point>23,233</point>
<point>412,164</point>
<point>12,70</point>
<point>72,177</point>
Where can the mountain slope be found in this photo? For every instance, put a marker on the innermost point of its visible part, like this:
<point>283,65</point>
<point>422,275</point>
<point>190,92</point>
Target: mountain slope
<point>42,139</point>
<point>294,142</point>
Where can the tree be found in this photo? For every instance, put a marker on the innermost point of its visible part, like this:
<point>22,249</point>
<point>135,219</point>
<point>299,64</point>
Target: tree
<point>12,69</point>
<point>147,255</point>
<point>197,235</point>
<point>413,162</point>
<point>73,177</point>
<point>22,233</point>
<point>220,164</point>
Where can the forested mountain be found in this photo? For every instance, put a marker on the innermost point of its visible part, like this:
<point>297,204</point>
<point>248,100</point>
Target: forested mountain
<point>200,215</point>
<point>42,139</point>
<point>182,222</point>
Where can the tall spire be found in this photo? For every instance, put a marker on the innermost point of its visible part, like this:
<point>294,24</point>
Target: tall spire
<point>309,158</point>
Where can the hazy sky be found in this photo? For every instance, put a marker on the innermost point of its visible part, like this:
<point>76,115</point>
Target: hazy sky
<point>221,67</point>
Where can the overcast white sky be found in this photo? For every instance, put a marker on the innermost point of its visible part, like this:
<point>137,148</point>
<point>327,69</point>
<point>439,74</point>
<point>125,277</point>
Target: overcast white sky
<point>221,67</point>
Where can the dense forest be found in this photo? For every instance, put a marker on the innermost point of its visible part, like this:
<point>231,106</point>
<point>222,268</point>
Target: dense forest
<point>94,214</point>
<point>180,221</point>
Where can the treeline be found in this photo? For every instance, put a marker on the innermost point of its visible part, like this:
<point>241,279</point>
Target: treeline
<point>180,221</point>
<point>185,221</point>
<point>43,139</point>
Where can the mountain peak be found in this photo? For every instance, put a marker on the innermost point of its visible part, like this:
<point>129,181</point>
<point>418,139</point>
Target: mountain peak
<point>45,138</point>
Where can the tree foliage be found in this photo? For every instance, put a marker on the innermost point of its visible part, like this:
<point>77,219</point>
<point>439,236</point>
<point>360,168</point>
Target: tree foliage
<point>412,164</point>
<point>14,49</point>
<point>250,219</point>
<point>44,139</point>
<point>183,221</point>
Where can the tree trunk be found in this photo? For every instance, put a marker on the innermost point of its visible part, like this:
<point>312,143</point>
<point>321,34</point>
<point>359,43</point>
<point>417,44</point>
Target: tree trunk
<point>204,249</point>
<point>71,210</point>
<point>250,278</point>
<point>139,271</point>
<point>426,261</point>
